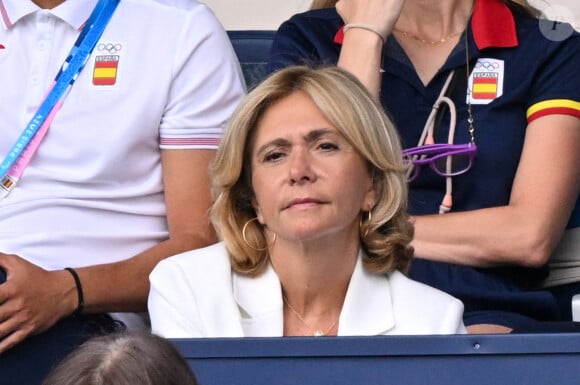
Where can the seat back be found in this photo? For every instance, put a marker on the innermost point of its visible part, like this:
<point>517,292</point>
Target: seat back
<point>531,359</point>
<point>253,50</point>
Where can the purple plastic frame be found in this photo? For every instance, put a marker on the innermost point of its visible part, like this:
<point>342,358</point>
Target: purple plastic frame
<point>431,153</point>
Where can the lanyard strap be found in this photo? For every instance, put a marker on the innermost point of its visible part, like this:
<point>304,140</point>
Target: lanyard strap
<point>21,152</point>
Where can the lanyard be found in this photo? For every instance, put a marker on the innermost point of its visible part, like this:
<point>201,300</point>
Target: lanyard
<point>21,152</point>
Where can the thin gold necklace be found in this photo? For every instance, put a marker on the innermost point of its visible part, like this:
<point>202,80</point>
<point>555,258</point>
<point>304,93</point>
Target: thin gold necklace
<point>425,41</point>
<point>315,332</point>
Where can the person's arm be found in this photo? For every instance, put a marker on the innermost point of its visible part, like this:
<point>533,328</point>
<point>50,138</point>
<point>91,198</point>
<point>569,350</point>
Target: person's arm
<point>206,88</point>
<point>525,231</point>
<point>34,299</point>
<point>187,199</point>
<point>302,40</point>
<point>362,49</point>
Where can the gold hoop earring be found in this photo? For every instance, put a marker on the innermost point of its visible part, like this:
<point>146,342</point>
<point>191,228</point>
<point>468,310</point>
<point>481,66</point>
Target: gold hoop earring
<point>244,236</point>
<point>366,223</point>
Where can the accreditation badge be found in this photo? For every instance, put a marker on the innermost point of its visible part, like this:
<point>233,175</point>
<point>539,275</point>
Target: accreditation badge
<point>485,81</point>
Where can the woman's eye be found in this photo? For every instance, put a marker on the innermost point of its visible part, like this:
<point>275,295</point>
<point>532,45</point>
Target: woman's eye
<point>272,157</point>
<point>328,146</point>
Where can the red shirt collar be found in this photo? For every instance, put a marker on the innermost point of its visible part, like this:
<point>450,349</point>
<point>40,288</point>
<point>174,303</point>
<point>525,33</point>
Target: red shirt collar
<point>492,24</point>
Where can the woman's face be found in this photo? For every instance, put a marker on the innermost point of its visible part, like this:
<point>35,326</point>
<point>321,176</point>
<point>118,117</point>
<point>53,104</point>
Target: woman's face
<point>309,182</point>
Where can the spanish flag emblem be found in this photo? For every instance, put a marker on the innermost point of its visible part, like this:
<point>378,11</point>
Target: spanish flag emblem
<point>485,85</point>
<point>486,81</point>
<point>105,71</point>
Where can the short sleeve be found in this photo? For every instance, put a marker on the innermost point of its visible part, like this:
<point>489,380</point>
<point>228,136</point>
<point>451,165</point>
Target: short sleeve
<point>556,86</point>
<point>290,47</point>
<point>306,39</point>
<point>207,85</point>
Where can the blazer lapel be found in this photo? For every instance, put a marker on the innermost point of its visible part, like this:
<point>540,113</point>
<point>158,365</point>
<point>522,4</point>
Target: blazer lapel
<point>260,302</point>
<point>368,307</point>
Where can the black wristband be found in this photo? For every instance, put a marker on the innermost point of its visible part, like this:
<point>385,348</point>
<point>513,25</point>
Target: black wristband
<point>81,304</point>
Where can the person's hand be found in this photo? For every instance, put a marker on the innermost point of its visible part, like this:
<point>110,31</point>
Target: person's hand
<point>381,14</point>
<point>31,299</point>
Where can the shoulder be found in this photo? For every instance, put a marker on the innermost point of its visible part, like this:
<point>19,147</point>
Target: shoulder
<point>173,12</point>
<point>412,290</point>
<point>415,302</point>
<point>316,20</point>
<point>167,6</point>
<point>306,38</point>
<point>549,51</point>
<point>191,295</point>
<point>200,265</point>
<point>543,37</point>
<point>323,15</point>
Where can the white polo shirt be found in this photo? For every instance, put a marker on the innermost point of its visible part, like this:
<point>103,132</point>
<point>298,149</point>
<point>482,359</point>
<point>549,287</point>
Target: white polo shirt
<point>162,75</point>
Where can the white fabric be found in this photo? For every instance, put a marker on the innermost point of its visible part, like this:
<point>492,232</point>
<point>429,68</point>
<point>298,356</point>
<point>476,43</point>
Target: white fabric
<point>93,192</point>
<point>196,294</point>
<point>565,261</point>
<point>576,308</point>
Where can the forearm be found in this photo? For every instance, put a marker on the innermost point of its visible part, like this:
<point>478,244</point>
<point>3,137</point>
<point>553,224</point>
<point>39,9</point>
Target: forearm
<point>124,285</point>
<point>526,230</point>
<point>487,237</point>
<point>362,48</point>
<point>361,55</point>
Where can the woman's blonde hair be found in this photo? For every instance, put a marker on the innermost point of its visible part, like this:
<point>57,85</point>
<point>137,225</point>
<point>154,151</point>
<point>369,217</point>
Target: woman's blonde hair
<point>363,123</point>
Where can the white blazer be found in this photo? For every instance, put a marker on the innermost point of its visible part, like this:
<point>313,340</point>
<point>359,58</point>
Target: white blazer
<point>196,294</point>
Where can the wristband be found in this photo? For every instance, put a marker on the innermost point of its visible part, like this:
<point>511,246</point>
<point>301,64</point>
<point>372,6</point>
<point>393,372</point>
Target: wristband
<point>81,304</point>
<point>367,27</point>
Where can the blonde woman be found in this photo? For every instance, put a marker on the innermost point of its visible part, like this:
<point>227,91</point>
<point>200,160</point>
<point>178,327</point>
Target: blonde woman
<point>310,203</point>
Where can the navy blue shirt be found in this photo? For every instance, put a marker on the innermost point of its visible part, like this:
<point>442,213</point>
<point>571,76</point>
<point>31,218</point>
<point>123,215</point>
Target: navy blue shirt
<point>531,76</point>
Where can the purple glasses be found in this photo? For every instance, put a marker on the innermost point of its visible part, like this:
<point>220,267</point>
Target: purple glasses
<point>444,159</point>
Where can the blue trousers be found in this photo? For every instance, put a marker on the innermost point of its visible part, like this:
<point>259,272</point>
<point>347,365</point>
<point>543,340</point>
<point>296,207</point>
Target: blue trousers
<point>29,362</point>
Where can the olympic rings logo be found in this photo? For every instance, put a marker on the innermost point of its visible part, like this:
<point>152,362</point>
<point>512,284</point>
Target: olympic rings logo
<point>109,48</point>
<point>490,66</point>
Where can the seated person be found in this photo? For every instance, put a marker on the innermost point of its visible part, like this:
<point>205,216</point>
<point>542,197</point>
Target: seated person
<point>123,359</point>
<point>310,202</point>
<point>119,180</point>
<point>450,73</point>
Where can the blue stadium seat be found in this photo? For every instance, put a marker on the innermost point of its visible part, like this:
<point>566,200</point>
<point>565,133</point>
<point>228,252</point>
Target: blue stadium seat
<point>530,359</point>
<point>253,50</point>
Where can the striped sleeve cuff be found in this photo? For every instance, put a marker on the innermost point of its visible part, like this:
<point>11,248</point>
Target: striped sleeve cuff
<point>190,138</point>
<point>553,107</point>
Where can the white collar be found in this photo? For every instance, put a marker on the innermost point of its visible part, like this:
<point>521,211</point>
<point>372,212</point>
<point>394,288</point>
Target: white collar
<point>73,12</point>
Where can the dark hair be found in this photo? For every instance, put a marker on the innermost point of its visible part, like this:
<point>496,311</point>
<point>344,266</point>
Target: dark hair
<point>125,358</point>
